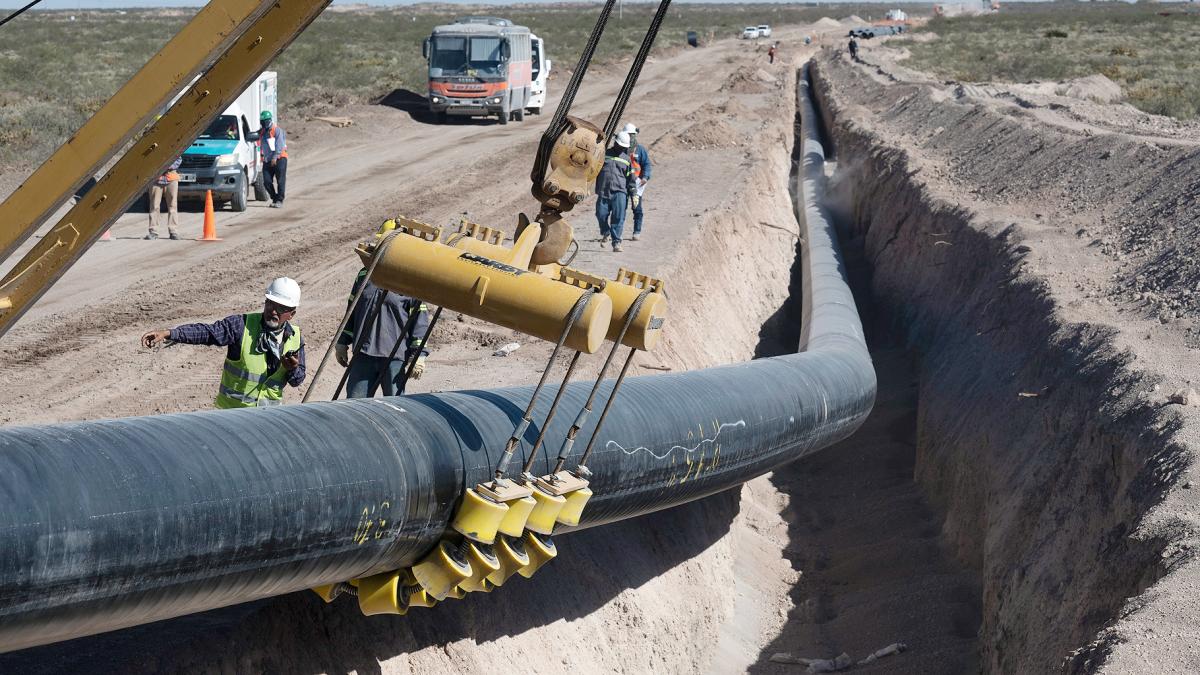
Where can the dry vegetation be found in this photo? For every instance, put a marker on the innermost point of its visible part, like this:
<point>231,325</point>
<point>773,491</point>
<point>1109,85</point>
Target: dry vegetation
<point>57,67</point>
<point>1148,49</point>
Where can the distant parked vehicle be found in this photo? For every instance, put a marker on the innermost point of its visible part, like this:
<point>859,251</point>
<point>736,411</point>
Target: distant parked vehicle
<point>750,33</point>
<point>693,39</point>
<point>764,31</point>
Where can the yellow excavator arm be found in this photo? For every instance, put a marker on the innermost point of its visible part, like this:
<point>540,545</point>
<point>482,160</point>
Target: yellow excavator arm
<point>231,41</point>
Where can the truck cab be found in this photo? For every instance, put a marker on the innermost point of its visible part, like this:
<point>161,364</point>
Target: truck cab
<point>225,157</point>
<point>541,73</point>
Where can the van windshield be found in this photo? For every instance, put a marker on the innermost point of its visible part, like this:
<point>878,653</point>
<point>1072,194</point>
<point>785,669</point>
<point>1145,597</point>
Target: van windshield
<point>459,55</point>
<point>225,127</point>
<point>537,57</point>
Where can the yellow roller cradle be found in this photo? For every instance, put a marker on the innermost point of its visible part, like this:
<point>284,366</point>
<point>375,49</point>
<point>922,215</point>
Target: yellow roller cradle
<point>512,556</point>
<point>483,562</point>
<point>478,517</point>
<point>545,514</point>
<point>540,550</point>
<point>572,511</point>
<point>514,521</point>
<point>443,569</point>
<point>380,594</point>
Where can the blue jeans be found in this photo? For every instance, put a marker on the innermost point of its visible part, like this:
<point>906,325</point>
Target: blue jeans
<point>637,215</point>
<point>610,212</point>
<point>364,372</point>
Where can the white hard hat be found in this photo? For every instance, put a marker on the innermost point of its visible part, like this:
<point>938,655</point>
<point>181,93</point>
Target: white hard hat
<point>630,129</point>
<point>623,139</point>
<point>284,291</point>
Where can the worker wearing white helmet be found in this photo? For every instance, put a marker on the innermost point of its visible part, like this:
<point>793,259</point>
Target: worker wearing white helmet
<point>639,159</point>
<point>263,352</point>
<point>614,186</point>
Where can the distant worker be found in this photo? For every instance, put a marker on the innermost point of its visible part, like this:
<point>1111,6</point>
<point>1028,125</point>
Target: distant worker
<point>614,185</point>
<point>263,352</point>
<point>640,159</point>
<point>371,366</point>
<point>853,48</point>
<point>771,53</point>
<point>272,143</point>
<point>166,185</point>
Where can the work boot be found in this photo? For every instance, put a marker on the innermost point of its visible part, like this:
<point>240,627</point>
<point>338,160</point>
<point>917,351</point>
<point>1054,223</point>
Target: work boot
<point>617,248</point>
<point>152,235</point>
<point>274,205</point>
<point>174,236</point>
<point>633,238</point>
<point>604,239</point>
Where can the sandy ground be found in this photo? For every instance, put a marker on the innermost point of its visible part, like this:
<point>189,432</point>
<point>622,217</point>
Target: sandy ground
<point>701,587</point>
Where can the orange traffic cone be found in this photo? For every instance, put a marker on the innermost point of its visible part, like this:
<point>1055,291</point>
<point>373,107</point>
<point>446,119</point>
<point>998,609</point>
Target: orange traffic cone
<point>210,220</point>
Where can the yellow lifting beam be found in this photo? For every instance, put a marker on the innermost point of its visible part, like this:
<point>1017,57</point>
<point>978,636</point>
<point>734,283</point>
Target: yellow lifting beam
<point>240,38</point>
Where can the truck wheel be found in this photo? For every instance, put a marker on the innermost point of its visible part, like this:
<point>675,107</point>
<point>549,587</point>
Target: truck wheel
<point>260,190</point>
<point>504,115</point>
<point>535,111</point>
<point>519,114</point>
<point>240,195</point>
<point>443,117</point>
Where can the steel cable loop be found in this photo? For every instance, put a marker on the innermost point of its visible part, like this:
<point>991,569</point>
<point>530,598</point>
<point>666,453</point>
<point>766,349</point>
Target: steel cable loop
<point>569,441</point>
<point>558,123</point>
<point>572,318</point>
<point>408,326</point>
<point>635,70</point>
<point>383,247</point>
<point>562,389</point>
<point>408,371</point>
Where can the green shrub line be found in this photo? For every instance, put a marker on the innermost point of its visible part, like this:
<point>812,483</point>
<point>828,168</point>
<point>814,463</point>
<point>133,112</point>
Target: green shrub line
<point>1150,50</point>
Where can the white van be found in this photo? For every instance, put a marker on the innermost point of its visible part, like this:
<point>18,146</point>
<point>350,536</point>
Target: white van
<point>764,31</point>
<point>225,157</point>
<point>541,73</point>
<point>749,32</point>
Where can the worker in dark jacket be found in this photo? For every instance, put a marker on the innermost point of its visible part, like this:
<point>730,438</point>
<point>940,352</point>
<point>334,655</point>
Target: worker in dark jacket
<point>853,48</point>
<point>614,186</point>
<point>371,366</point>
<point>264,350</point>
<point>640,159</point>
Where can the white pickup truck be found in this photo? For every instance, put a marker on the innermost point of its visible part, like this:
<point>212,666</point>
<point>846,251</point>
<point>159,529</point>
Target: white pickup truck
<point>225,157</point>
<point>750,32</point>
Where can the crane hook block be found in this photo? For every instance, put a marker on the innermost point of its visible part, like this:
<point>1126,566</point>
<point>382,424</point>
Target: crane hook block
<point>444,568</point>
<point>503,293</point>
<point>540,549</point>
<point>478,517</point>
<point>575,160</point>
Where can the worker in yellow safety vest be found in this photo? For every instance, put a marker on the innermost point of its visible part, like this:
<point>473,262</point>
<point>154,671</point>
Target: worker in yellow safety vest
<point>264,350</point>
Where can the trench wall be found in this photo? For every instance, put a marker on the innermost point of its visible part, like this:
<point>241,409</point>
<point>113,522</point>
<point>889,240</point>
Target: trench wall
<point>1035,439</point>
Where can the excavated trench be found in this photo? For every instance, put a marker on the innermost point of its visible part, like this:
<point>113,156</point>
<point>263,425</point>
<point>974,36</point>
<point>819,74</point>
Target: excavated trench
<point>1035,451</point>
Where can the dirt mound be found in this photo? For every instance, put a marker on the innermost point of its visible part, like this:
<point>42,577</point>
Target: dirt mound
<point>826,22</point>
<point>853,20</point>
<point>1091,88</point>
<point>749,80</point>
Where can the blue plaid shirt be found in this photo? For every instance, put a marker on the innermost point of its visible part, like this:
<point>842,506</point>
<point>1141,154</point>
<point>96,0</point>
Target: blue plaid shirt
<point>228,333</point>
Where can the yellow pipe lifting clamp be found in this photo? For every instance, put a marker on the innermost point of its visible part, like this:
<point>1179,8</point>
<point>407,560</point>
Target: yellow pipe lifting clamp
<point>514,521</point>
<point>479,517</point>
<point>444,568</point>
<point>545,513</point>
<point>483,562</point>
<point>382,594</point>
<point>512,556</point>
<point>540,550</point>
<point>571,487</point>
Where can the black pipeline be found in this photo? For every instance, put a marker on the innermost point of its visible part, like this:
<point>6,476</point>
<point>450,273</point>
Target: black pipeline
<point>114,523</point>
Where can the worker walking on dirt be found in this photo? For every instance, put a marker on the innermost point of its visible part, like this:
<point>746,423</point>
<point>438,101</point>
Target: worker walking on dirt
<point>371,365</point>
<point>614,186</point>
<point>771,53</point>
<point>166,185</point>
<point>853,48</point>
<point>272,143</point>
<point>264,350</point>
<point>640,160</point>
